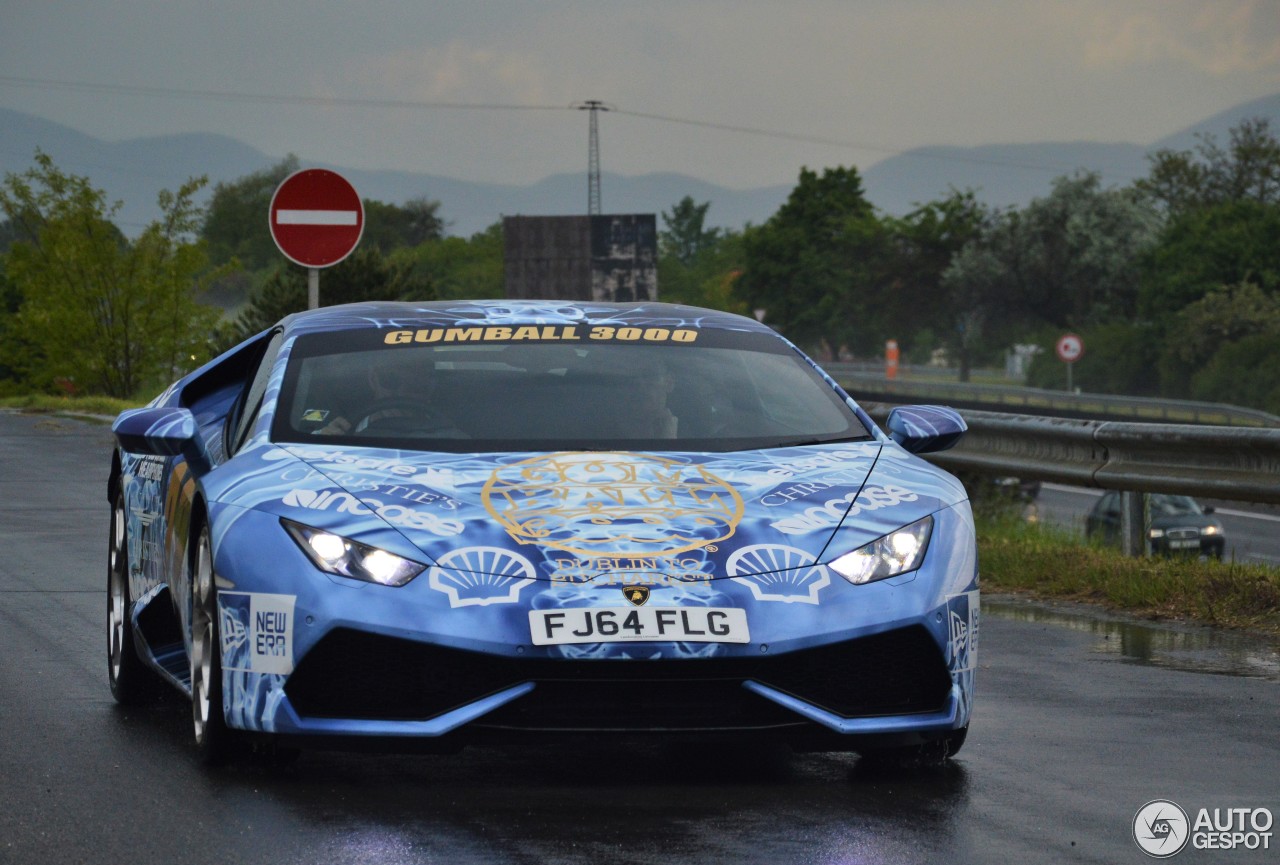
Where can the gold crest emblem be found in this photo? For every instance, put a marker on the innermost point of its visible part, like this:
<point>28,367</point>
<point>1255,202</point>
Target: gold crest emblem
<point>612,504</point>
<point>637,595</point>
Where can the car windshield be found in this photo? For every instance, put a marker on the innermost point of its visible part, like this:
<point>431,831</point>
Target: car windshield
<point>488,389</point>
<point>1173,506</point>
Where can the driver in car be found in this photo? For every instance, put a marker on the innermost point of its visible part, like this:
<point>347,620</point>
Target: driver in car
<point>397,390</point>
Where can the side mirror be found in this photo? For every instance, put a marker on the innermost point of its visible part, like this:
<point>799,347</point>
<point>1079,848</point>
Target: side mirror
<point>1208,509</point>
<point>924,429</point>
<point>162,432</point>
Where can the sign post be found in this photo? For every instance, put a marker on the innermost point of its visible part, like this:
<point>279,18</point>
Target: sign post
<point>316,219</point>
<point>891,359</point>
<point>1070,349</point>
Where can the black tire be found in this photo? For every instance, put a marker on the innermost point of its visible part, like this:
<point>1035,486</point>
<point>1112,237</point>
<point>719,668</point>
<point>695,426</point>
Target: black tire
<point>214,740</point>
<point>132,682</point>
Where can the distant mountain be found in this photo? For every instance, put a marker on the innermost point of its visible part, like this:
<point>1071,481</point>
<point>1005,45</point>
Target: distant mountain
<point>1013,174</point>
<point>1220,124</point>
<point>999,174</point>
<point>135,171</point>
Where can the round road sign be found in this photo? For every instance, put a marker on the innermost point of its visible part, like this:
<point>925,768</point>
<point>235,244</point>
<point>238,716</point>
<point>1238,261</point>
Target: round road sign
<point>316,217</point>
<point>1070,348</point>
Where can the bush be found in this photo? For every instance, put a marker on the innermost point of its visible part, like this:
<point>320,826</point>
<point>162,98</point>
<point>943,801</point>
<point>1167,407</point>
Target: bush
<point>1245,372</point>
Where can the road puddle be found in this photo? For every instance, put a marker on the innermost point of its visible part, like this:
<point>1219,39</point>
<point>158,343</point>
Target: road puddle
<point>1178,647</point>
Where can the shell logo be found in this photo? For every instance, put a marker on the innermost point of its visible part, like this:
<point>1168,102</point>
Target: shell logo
<point>612,504</point>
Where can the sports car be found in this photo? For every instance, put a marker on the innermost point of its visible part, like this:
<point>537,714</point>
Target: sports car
<point>420,526</point>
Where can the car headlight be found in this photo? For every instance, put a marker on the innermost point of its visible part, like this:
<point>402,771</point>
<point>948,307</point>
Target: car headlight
<point>1209,530</point>
<point>896,553</point>
<point>1156,533</point>
<point>335,554</point>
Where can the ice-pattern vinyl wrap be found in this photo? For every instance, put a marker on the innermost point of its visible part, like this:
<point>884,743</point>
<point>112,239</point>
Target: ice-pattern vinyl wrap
<point>501,535</point>
<point>486,568</point>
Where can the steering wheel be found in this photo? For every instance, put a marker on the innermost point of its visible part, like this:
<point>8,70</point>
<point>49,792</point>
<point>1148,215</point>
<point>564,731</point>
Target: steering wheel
<point>395,414</point>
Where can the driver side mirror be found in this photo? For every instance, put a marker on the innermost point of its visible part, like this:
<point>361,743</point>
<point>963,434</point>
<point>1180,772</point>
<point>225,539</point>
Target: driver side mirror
<point>924,429</point>
<point>162,432</point>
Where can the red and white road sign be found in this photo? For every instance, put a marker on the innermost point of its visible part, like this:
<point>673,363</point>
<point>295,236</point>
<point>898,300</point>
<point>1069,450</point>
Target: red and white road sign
<point>1070,348</point>
<point>316,217</point>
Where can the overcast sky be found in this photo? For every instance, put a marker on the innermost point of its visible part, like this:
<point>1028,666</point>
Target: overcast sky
<point>362,83</point>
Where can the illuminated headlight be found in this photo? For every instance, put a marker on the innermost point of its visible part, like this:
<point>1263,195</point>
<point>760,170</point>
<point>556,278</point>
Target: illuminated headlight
<point>1209,530</point>
<point>335,554</point>
<point>1156,533</point>
<point>896,553</point>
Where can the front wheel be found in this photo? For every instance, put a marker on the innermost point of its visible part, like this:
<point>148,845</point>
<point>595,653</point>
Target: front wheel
<point>213,738</point>
<point>132,684</point>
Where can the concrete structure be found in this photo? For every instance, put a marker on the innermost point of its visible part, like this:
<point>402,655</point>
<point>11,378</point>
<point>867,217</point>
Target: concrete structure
<point>608,258</point>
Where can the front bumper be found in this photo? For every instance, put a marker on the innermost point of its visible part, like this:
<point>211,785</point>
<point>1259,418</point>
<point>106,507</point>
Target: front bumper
<point>890,662</point>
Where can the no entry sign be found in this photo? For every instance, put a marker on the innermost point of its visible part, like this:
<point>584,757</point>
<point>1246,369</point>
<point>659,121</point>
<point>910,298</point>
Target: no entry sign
<point>316,217</point>
<point>1070,347</point>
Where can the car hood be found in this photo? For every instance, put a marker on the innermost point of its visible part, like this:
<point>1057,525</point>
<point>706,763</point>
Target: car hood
<point>570,515</point>
<point>1184,520</point>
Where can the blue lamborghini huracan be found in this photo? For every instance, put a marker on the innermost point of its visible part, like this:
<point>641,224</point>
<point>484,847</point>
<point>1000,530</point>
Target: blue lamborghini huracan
<point>426,525</point>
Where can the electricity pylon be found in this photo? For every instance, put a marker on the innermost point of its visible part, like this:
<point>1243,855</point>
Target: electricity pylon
<point>593,155</point>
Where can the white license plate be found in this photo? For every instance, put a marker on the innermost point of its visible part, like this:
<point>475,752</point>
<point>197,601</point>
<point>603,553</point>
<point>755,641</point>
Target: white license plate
<point>1184,545</point>
<point>638,624</point>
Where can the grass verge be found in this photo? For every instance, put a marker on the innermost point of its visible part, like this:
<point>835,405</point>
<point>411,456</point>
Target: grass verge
<point>1022,558</point>
<point>76,405</point>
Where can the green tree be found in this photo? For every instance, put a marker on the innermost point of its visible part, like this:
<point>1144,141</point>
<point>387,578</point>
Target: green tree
<point>15,348</point>
<point>1120,357</point>
<point>1243,372</point>
<point>1070,260</point>
<point>1248,169</point>
<point>917,304</point>
<point>708,280</point>
<point>684,235</point>
<point>365,275</point>
<point>391,226</point>
<point>1201,333</point>
<point>110,314</point>
<point>1202,249</point>
<point>978,287</point>
<point>698,265</point>
<point>235,222</point>
<point>459,268</point>
<point>801,266</point>
<point>1212,279</point>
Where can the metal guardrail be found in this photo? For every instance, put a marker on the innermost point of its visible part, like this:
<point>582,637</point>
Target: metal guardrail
<point>1232,463</point>
<point>868,386</point>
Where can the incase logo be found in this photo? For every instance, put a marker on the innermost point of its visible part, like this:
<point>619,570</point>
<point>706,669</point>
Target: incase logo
<point>833,511</point>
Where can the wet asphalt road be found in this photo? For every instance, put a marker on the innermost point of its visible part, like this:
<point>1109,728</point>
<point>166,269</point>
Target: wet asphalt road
<point>1079,721</point>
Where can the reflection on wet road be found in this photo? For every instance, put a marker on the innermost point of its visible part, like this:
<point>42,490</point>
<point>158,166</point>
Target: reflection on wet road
<point>1178,647</point>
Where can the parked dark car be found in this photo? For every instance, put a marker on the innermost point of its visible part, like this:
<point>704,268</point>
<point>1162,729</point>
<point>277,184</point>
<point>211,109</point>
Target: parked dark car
<point>1179,525</point>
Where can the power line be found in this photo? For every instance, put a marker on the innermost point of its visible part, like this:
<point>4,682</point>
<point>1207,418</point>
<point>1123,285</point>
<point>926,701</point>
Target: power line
<point>836,142</point>
<point>408,104</point>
